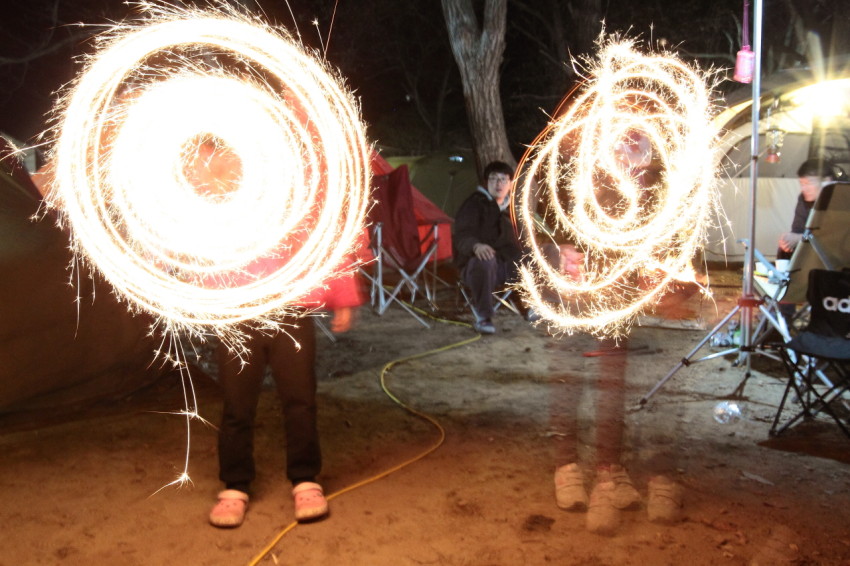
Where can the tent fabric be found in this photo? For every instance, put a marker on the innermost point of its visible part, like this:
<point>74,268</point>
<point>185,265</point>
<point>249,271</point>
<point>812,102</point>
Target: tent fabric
<point>16,176</point>
<point>774,211</point>
<point>792,109</point>
<point>425,212</point>
<point>446,178</point>
<point>58,352</point>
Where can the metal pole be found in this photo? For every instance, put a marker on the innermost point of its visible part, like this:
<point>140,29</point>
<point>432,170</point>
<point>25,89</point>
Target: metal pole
<point>749,259</point>
<point>747,302</point>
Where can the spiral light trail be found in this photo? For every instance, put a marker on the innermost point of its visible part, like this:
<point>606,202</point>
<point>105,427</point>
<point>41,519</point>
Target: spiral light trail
<point>212,169</point>
<point>622,183</point>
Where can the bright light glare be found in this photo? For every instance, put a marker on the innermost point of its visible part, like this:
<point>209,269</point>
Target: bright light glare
<point>626,175</point>
<point>210,168</point>
<point>825,99</point>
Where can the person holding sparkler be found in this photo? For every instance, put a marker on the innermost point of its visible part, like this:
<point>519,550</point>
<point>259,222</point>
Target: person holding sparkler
<point>215,172</point>
<point>289,349</point>
<point>613,490</point>
<point>291,354</point>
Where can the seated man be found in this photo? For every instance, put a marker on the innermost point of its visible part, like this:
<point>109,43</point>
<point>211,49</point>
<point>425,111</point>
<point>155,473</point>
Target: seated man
<point>813,174</point>
<point>486,249</point>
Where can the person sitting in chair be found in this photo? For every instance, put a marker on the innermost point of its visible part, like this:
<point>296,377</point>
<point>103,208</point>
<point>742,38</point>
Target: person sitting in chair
<point>486,249</point>
<point>813,174</point>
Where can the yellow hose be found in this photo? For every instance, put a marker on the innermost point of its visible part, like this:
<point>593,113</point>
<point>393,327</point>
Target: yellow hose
<point>396,400</point>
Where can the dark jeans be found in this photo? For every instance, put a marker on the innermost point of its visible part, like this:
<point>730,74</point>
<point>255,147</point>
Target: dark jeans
<point>483,277</point>
<point>294,374</point>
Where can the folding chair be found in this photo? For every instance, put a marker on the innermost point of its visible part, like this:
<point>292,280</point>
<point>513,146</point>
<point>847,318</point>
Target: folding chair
<point>400,248</point>
<point>319,321</point>
<point>502,298</point>
<point>780,286</point>
<point>822,348</point>
<point>825,245</point>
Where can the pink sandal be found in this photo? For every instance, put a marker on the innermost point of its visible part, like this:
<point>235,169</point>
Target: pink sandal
<point>310,502</point>
<point>230,510</point>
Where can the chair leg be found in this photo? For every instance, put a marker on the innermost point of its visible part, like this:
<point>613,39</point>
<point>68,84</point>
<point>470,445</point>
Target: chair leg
<point>823,401</point>
<point>795,373</point>
<point>803,373</point>
<point>774,431</point>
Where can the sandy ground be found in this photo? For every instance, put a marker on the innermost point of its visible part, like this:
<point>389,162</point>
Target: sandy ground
<point>87,490</point>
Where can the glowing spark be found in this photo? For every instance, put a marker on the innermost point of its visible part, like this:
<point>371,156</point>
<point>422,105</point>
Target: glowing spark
<point>180,481</point>
<point>210,168</point>
<point>624,181</point>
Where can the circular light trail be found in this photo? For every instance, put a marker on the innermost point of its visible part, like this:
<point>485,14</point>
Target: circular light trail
<point>616,194</point>
<point>212,169</point>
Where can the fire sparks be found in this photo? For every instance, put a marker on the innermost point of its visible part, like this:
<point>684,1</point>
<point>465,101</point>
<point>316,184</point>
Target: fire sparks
<point>616,194</point>
<point>209,167</point>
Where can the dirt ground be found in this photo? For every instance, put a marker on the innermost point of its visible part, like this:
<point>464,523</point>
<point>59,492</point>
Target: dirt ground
<point>86,490</point>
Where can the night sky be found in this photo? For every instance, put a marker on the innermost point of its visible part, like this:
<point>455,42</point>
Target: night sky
<point>395,53</point>
<point>42,50</point>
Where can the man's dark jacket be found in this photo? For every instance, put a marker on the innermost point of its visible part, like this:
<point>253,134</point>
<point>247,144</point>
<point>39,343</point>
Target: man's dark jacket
<point>479,220</point>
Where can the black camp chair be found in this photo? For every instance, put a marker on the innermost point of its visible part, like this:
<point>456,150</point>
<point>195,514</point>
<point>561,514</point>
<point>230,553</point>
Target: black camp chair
<point>822,348</point>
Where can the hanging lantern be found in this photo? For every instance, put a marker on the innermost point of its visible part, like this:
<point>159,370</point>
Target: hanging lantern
<point>745,61</point>
<point>775,138</point>
<point>744,65</point>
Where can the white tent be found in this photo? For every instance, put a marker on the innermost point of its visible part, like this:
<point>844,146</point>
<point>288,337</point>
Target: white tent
<point>804,113</point>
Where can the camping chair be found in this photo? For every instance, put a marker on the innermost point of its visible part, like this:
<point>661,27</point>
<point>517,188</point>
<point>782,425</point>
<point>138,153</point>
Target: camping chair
<point>319,321</point>
<point>825,245</point>
<point>502,296</point>
<point>404,253</point>
<point>777,285</point>
<point>823,347</point>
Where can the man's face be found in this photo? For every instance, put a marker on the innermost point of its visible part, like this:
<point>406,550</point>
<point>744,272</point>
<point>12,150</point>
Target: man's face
<point>499,186</point>
<point>810,187</point>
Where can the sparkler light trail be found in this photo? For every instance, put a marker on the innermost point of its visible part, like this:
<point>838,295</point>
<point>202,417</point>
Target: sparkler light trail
<point>623,182</point>
<point>209,167</point>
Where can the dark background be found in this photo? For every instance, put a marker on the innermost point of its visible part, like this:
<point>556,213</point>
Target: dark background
<point>395,54</point>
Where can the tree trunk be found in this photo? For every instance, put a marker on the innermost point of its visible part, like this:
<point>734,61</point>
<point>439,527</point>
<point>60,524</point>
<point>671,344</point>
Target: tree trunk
<point>478,52</point>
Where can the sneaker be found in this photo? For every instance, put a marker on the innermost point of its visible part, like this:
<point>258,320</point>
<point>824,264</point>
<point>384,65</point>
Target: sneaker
<point>484,326</point>
<point>625,494</point>
<point>310,502</point>
<point>230,510</point>
<point>664,504</point>
<point>569,488</point>
<point>603,518</point>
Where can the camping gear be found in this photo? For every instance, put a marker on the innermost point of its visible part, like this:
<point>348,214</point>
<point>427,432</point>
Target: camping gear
<point>409,237</point>
<point>825,245</point>
<point>805,115</point>
<point>445,177</point>
<point>823,347</point>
